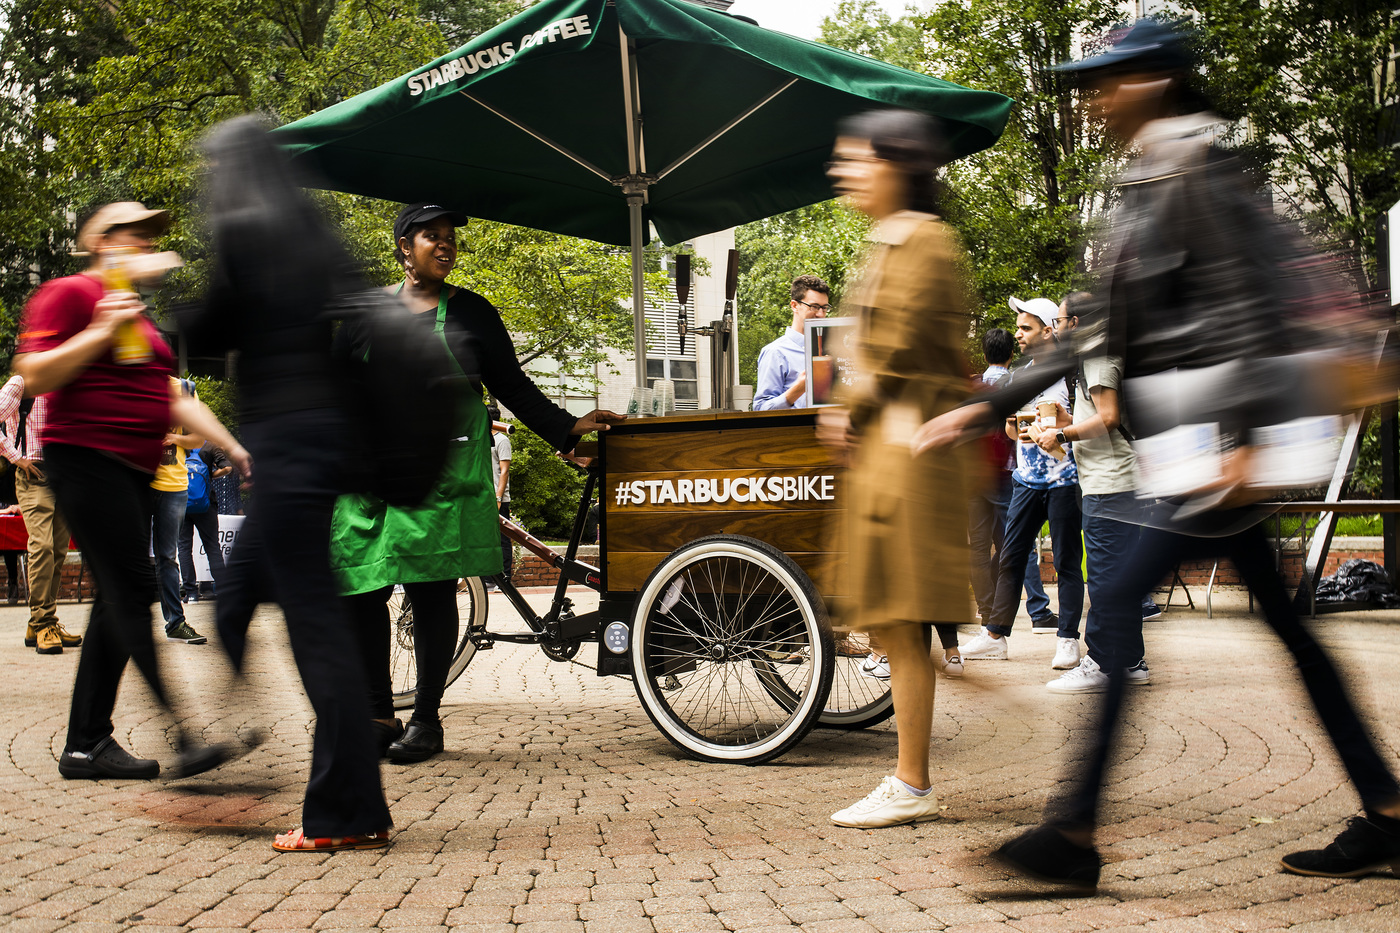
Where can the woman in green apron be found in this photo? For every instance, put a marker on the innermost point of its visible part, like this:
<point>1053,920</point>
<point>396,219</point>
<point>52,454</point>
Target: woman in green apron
<point>454,533</point>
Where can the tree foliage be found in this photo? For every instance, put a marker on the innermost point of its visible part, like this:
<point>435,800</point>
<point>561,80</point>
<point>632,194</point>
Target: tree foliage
<point>1314,89</point>
<point>107,101</point>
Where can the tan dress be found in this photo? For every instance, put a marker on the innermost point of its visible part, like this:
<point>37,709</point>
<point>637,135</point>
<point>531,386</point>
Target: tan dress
<point>906,517</point>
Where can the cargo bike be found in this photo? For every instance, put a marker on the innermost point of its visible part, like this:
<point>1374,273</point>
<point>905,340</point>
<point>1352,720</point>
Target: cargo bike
<point>714,572</point>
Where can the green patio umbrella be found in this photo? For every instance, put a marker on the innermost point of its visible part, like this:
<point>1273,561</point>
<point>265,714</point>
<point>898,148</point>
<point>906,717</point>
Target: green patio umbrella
<point>594,117</point>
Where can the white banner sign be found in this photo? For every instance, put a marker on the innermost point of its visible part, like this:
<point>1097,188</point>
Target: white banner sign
<point>229,526</point>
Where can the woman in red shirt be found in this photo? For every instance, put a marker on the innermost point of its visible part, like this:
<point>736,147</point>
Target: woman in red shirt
<point>106,426</point>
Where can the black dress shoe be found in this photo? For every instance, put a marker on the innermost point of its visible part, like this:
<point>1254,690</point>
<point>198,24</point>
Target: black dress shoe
<point>384,734</point>
<point>200,758</point>
<point>1366,846</point>
<point>107,760</point>
<point>1045,854</point>
<point>420,741</point>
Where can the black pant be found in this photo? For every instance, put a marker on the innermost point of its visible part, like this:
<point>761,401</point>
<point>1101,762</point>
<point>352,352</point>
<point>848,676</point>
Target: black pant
<point>434,642</point>
<point>207,524</point>
<point>1153,557</point>
<point>1029,509</point>
<point>108,506</point>
<point>507,548</point>
<point>283,554</point>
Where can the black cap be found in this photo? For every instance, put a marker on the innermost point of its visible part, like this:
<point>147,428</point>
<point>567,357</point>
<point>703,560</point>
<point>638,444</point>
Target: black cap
<point>1148,45</point>
<point>421,213</point>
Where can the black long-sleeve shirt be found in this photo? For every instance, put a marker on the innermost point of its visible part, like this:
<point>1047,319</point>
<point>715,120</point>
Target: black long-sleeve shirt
<point>498,367</point>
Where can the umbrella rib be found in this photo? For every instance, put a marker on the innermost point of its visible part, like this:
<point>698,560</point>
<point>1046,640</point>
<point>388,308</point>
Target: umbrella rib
<point>544,139</point>
<point>722,130</point>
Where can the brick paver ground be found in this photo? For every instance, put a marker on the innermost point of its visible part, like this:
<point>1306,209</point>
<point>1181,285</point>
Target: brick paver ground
<point>558,807</point>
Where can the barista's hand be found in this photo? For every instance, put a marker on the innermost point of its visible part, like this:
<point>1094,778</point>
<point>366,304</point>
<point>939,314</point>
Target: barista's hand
<point>953,427</point>
<point>797,389</point>
<point>599,419</point>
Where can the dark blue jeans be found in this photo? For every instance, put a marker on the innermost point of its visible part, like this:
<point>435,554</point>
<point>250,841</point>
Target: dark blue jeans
<point>165,544</point>
<point>1109,544</point>
<point>1037,600</point>
<point>1031,508</point>
<point>1152,558</point>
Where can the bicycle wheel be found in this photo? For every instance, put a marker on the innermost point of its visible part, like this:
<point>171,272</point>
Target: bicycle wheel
<point>857,700</point>
<point>403,664</point>
<point>731,650</point>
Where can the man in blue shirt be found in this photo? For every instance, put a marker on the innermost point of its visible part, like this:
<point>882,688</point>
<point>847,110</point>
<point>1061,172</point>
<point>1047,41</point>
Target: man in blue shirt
<point>782,365</point>
<point>1042,487</point>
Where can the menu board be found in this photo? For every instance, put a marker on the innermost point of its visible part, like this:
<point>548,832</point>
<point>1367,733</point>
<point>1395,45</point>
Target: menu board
<point>831,358</point>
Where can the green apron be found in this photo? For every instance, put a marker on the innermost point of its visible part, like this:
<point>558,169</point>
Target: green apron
<point>454,533</point>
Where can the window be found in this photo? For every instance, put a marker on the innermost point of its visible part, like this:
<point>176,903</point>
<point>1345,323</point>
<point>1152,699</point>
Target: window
<point>665,359</point>
<point>567,392</point>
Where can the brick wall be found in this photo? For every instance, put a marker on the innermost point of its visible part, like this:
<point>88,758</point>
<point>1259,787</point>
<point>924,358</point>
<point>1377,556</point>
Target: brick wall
<point>1197,573</point>
<point>533,571</point>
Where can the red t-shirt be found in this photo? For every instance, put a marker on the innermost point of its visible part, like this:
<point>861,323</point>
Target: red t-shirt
<point>121,409</point>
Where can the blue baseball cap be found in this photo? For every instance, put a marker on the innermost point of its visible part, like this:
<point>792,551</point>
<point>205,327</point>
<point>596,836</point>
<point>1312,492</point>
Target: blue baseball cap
<point>1148,45</point>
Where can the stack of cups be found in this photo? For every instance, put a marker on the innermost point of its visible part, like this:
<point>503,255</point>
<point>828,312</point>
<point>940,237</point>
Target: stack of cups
<point>743,398</point>
<point>639,404</point>
<point>663,397</point>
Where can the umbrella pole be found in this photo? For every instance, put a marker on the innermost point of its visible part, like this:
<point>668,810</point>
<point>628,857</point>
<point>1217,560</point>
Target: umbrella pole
<point>639,317</point>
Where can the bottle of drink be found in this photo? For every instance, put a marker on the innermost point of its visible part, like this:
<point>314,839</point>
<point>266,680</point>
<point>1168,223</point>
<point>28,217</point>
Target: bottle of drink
<point>129,345</point>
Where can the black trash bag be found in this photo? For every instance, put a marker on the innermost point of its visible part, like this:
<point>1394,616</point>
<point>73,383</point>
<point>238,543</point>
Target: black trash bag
<point>1358,581</point>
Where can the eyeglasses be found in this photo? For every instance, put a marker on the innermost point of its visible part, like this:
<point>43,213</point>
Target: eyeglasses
<point>821,308</point>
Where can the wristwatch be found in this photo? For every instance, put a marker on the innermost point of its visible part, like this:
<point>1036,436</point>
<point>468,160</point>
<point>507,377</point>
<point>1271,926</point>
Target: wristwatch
<point>1060,437</point>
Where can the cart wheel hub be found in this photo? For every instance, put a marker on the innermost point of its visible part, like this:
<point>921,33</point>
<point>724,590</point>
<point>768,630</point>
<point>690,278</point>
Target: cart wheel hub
<point>718,652</point>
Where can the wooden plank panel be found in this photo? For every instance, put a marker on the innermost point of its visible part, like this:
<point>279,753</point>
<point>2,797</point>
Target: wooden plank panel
<point>795,530</point>
<point>628,571</point>
<point>795,488</point>
<point>776,447</point>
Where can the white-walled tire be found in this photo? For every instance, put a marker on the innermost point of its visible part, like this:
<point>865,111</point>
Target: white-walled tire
<point>731,650</point>
<point>403,665</point>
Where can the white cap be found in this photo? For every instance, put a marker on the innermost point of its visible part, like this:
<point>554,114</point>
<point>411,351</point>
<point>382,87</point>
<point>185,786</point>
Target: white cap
<point>1043,308</point>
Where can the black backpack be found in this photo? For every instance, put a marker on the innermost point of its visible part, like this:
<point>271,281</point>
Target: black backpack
<point>402,391</point>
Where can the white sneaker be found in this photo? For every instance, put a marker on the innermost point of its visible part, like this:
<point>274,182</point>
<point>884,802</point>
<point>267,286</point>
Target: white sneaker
<point>1066,655</point>
<point>877,666</point>
<point>1138,675</point>
<point>1086,678</point>
<point>984,647</point>
<point>949,667</point>
<point>890,804</point>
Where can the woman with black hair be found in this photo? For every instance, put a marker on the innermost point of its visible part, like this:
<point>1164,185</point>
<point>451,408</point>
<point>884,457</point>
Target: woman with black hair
<point>904,514</point>
<point>454,533</point>
<point>277,267</point>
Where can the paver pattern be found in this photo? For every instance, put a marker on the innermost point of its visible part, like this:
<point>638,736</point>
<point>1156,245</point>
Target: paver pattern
<point>558,806</point>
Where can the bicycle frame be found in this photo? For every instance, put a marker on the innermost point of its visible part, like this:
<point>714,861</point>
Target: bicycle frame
<point>558,629</point>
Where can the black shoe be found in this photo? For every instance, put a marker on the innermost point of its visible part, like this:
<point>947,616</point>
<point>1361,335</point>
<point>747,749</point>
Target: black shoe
<point>1368,844</point>
<point>384,734</point>
<point>200,758</point>
<point>107,760</point>
<point>1050,623</point>
<point>419,742</point>
<point>1046,855</point>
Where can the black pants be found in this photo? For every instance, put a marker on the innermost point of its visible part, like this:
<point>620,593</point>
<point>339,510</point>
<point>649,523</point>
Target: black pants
<point>1153,557</point>
<point>434,642</point>
<point>108,506</point>
<point>207,524</point>
<point>282,554</point>
<point>1029,509</point>
<point>507,548</point>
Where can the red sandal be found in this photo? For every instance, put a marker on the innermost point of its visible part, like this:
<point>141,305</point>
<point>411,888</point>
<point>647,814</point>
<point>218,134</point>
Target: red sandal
<point>298,841</point>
